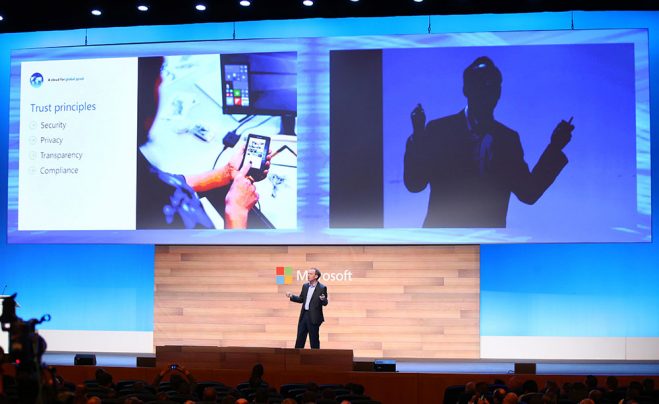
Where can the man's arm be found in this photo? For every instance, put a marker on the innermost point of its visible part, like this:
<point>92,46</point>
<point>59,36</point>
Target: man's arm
<point>415,167</point>
<point>295,298</point>
<point>529,187</point>
<point>323,296</point>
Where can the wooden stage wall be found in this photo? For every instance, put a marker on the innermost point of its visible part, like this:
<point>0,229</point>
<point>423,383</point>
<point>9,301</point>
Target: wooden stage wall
<point>399,302</point>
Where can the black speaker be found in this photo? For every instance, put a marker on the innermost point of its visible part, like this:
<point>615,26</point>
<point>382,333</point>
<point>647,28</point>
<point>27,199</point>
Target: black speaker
<point>384,365</point>
<point>525,368</point>
<point>146,362</point>
<point>84,359</point>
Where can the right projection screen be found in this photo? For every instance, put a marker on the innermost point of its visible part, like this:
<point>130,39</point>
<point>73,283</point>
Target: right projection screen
<point>508,142</point>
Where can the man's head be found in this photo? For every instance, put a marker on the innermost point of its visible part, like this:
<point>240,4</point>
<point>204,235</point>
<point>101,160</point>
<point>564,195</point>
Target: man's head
<point>482,87</point>
<point>209,394</point>
<point>313,274</point>
<point>510,398</point>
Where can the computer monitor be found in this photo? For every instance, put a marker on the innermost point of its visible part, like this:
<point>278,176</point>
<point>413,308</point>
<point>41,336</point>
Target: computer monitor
<point>261,84</point>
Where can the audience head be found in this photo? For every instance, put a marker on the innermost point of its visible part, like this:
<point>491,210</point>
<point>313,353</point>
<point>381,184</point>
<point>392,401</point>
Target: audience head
<point>552,386</point>
<point>209,394</point>
<point>530,386</point>
<point>515,384</point>
<point>510,398</point>
<point>482,388</point>
<point>498,395</point>
<point>648,385</point>
<point>591,382</point>
<point>612,383</point>
<point>595,395</point>
<point>258,370</point>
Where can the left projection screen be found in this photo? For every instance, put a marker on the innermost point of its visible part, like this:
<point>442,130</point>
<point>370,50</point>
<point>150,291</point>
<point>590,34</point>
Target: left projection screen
<point>144,143</point>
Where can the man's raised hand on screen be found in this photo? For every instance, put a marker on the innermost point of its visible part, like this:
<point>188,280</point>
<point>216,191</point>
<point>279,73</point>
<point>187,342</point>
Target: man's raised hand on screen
<point>562,134</point>
<point>418,117</point>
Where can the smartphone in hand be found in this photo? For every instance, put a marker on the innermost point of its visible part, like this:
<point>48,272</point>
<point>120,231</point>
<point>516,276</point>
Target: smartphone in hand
<point>256,152</point>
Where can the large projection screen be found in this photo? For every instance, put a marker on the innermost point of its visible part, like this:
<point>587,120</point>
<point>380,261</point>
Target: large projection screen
<point>102,150</point>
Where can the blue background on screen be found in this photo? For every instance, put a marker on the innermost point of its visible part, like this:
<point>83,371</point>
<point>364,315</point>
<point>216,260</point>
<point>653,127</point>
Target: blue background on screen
<point>520,283</point>
<point>594,194</point>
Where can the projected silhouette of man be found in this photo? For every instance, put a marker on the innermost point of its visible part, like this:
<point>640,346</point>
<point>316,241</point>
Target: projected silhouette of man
<point>473,162</point>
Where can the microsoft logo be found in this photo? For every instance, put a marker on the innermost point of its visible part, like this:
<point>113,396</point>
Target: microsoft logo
<point>284,275</point>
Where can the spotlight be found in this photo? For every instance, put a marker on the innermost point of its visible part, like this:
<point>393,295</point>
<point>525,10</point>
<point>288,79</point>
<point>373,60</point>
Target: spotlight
<point>418,1</point>
<point>354,1</point>
<point>308,3</point>
<point>96,12</point>
<point>245,3</point>
<point>200,7</point>
<point>1,18</point>
<point>143,7</point>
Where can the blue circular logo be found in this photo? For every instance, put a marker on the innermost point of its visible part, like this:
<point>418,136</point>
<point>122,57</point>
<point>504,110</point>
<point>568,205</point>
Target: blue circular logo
<point>36,80</point>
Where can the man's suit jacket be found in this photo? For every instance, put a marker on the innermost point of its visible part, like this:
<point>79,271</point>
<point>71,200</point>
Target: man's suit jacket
<point>315,305</point>
<point>466,191</point>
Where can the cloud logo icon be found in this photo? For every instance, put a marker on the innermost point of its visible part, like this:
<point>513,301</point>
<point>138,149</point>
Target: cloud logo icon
<point>36,80</point>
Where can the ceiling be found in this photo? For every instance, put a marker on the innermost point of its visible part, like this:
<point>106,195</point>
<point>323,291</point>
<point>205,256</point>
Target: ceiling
<point>23,16</point>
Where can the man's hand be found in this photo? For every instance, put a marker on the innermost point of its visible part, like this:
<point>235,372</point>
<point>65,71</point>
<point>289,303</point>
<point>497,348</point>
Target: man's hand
<point>562,134</point>
<point>418,117</point>
<point>242,196</point>
<point>233,166</point>
<point>322,297</point>
<point>289,294</point>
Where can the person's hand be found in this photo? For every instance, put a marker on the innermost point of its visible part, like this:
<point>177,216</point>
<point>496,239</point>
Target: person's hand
<point>289,294</point>
<point>322,297</point>
<point>562,134</point>
<point>418,117</point>
<point>242,197</point>
<point>233,166</point>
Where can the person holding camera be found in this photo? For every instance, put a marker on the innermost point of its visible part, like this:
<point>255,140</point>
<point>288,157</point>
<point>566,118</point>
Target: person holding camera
<point>180,379</point>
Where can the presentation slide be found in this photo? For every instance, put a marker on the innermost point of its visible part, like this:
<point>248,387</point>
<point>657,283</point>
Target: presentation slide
<point>509,137</point>
<point>76,145</point>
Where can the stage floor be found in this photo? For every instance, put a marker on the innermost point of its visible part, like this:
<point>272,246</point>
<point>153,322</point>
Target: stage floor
<point>410,366</point>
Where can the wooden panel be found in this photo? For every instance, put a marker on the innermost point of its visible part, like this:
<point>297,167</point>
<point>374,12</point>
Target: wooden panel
<point>385,301</point>
<point>243,358</point>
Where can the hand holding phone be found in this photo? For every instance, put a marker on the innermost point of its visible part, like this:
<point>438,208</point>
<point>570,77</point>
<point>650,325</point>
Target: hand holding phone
<point>256,154</point>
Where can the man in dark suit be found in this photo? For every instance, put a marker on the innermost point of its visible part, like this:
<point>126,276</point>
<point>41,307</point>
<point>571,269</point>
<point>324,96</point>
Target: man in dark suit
<point>313,297</point>
<point>473,162</point>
